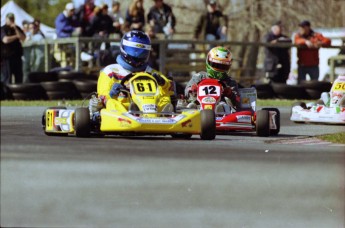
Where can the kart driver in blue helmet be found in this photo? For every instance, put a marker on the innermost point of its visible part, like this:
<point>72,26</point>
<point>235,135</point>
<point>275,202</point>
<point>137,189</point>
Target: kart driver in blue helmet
<point>135,50</point>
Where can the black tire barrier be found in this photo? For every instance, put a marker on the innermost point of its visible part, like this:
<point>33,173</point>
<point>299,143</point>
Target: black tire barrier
<point>265,91</point>
<point>37,77</point>
<point>85,86</point>
<point>284,91</point>
<point>317,85</point>
<point>70,76</point>
<point>313,93</point>
<point>179,88</point>
<point>61,90</point>
<point>26,91</point>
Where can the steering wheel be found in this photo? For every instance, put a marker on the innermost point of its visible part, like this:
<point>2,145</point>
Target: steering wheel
<point>126,78</point>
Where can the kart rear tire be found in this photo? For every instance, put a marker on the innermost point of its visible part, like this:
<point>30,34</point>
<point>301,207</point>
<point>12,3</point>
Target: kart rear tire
<point>263,123</point>
<point>82,122</point>
<point>208,125</point>
<point>181,136</point>
<point>44,123</point>
<point>277,120</point>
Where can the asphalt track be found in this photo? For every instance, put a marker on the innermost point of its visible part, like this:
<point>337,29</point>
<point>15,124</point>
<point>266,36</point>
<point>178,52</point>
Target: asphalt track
<point>237,180</point>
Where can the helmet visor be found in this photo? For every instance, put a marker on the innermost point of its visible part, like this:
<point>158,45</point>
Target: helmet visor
<point>221,67</point>
<point>136,56</point>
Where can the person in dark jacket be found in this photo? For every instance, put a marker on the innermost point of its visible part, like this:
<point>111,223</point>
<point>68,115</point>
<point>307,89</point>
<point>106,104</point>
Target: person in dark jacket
<point>212,25</point>
<point>162,18</point>
<point>11,51</point>
<point>135,16</point>
<point>84,15</point>
<point>102,23</point>
<point>277,59</point>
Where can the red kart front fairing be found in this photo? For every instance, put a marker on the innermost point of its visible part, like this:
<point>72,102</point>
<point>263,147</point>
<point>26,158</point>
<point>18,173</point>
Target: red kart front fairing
<point>238,121</point>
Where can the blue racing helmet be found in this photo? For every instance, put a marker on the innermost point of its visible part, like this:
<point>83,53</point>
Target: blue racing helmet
<point>135,48</point>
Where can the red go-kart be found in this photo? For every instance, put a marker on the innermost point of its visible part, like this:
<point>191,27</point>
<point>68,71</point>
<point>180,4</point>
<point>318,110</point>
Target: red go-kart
<point>265,122</point>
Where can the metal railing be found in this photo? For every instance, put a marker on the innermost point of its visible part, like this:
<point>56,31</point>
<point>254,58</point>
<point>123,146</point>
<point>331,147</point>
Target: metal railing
<point>167,52</point>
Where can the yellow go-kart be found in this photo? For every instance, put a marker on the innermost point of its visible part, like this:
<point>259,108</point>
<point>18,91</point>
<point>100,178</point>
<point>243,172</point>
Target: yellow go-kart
<point>144,119</point>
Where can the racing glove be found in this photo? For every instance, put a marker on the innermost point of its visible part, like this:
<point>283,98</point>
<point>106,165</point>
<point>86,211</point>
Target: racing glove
<point>158,78</point>
<point>115,90</point>
<point>193,88</point>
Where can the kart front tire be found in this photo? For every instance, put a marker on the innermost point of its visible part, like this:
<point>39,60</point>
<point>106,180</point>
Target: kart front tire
<point>208,125</point>
<point>82,122</point>
<point>277,120</point>
<point>263,123</point>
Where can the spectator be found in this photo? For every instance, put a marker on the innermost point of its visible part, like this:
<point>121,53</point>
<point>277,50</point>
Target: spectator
<point>66,23</point>
<point>101,23</point>
<point>34,61</point>
<point>135,16</point>
<point>154,53</point>
<point>37,23</point>
<point>85,14</point>
<point>117,17</point>
<point>11,51</point>
<point>162,18</point>
<point>25,25</point>
<point>213,24</point>
<point>277,59</point>
<point>309,43</point>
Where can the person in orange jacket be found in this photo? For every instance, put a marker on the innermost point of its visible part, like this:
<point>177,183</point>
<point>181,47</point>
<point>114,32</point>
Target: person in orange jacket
<point>309,43</point>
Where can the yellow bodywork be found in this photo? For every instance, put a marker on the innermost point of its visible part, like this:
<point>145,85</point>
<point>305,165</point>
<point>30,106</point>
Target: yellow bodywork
<point>115,121</point>
<point>59,121</point>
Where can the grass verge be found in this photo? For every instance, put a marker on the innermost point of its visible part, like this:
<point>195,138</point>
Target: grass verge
<point>334,138</point>
<point>270,102</point>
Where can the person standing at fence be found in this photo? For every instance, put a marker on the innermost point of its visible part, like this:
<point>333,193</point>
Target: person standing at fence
<point>84,14</point>
<point>66,23</point>
<point>309,43</point>
<point>277,59</point>
<point>212,24</point>
<point>117,17</point>
<point>135,16</point>
<point>11,51</point>
<point>102,23</point>
<point>162,19</point>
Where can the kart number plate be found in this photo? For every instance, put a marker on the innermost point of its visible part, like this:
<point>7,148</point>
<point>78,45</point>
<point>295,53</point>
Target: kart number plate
<point>209,90</point>
<point>339,86</point>
<point>144,86</point>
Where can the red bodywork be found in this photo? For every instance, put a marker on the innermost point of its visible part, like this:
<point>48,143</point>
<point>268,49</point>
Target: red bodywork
<point>209,95</point>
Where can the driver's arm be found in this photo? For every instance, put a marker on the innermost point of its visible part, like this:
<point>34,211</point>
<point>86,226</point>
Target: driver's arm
<point>105,84</point>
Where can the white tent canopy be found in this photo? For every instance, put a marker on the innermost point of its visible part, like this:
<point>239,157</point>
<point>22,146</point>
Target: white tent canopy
<point>21,15</point>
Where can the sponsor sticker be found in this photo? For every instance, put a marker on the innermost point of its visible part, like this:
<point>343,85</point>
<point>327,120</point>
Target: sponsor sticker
<point>208,100</point>
<point>243,119</point>
<point>150,108</point>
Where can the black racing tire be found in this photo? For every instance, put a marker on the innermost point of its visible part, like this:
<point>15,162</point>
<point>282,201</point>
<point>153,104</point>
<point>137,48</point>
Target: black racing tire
<point>181,136</point>
<point>59,86</point>
<point>179,88</point>
<point>82,122</point>
<point>264,91</point>
<point>37,77</point>
<point>208,125</point>
<point>263,123</point>
<point>70,76</point>
<point>313,93</point>
<point>285,91</point>
<point>317,85</point>
<point>277,120</point>
<point>44,123</point>
<point>26,91</point>
<point>85,86</point>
